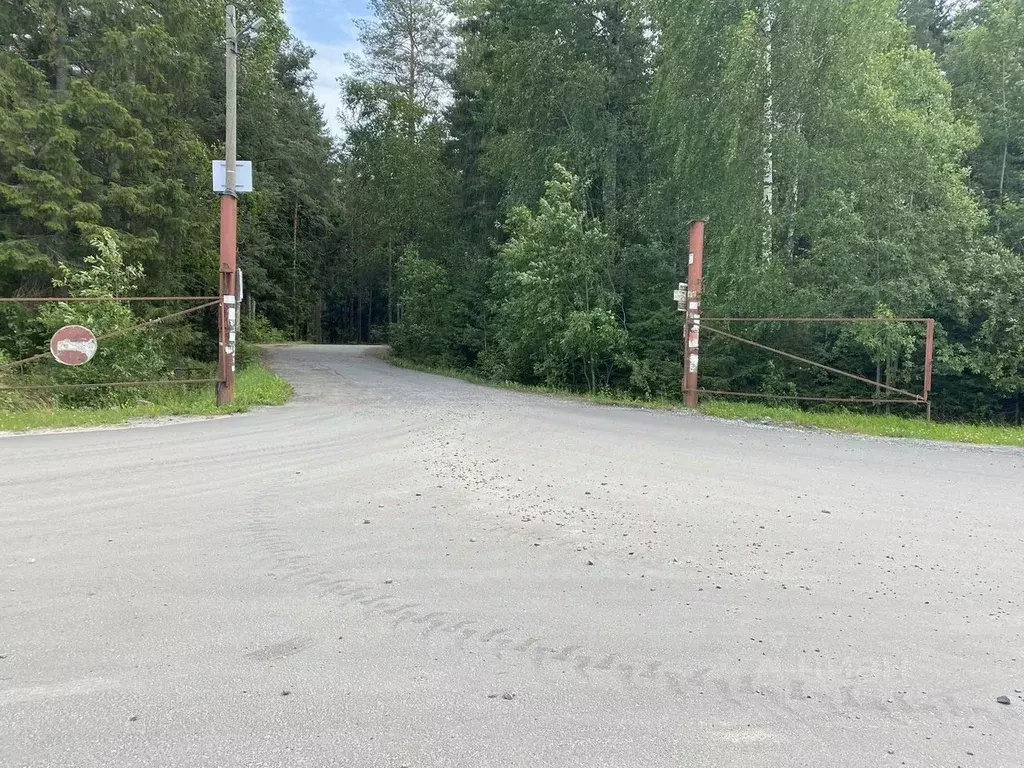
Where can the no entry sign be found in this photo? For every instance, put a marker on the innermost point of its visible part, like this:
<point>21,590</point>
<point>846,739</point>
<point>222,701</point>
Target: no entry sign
<point>73,345</point>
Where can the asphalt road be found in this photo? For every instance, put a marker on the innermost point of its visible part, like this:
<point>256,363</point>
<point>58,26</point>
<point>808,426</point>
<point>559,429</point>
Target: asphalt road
<point>400,569</point>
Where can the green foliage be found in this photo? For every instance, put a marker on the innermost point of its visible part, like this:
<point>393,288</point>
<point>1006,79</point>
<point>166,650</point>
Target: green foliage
<point>554,311</point>
<point>986,65</point>
<point>255,386</point>
<point>80,159</point>
<point>407,48</point>
<point>825,148</point>
<point>398,192</point>
<point>863,424</point>
<point>426,331</point>
<point>259,330</point>
<point>110,114</point>
<point>560,83</point>
<point>291,238</point>
<point>850,156</point>
<point>931,22</point>
<point>8,400</point>
<point>889,344</point>
<point>132,356</point>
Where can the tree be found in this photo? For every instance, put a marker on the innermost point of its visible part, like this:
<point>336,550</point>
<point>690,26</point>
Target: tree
<point>562,82</point>
<point>986,65</point>
<point>407,48</point>
<point>539,83</point>
<point>69,166</point>
<point>890,344</point>
<point>841,171</point>
<point>554,317</point>
<point>110,114</point>
<point>428,315</point>
<point>132,356</point>
<point>931,22</point>
<point>398,191</point>
<point>867,171</point>
<point>290,242</point>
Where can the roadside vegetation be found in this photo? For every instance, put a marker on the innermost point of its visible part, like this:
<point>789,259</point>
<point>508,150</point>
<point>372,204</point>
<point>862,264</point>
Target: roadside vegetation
<point>254,386</point>
<point>157,352</point>
<point>876,425</point>
<point>831,419</point>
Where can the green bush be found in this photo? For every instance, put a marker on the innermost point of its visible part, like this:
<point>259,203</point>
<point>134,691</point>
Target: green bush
<point>556,316</point>
<point>7,402</point>
<point>132,356</point>
<point>246,354</point>
<point>259,330</point>
<point>426,331</point>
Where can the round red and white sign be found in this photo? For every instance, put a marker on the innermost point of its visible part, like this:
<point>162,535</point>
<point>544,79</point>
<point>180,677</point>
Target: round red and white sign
<point>73,345</point>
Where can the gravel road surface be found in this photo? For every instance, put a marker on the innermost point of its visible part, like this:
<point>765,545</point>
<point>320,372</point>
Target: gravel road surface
<point>399,569</point>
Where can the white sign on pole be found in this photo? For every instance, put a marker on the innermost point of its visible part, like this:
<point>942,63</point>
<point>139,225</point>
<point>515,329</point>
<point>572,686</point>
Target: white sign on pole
<point>243,176</point>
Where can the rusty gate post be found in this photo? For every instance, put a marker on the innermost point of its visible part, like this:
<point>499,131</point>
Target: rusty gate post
<point>929,356</point>
<point>695,279</point>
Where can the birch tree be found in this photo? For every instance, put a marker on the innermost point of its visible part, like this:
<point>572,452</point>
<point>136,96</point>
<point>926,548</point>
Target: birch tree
<point>986,65</point>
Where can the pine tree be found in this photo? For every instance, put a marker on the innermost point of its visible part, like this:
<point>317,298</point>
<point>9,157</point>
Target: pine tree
<point>407,48</point>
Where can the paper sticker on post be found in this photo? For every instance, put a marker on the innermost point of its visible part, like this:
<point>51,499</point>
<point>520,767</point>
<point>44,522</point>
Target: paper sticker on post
<point>243,176</point>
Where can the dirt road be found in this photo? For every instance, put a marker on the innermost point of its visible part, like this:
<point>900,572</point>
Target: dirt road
<point>400,569</point>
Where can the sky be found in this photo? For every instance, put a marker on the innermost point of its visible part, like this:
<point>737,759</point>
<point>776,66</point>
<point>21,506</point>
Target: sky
<point>327,27</point>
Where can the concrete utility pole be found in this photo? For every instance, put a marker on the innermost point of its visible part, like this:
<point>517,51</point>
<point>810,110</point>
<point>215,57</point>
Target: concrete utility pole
<point>229,220</point>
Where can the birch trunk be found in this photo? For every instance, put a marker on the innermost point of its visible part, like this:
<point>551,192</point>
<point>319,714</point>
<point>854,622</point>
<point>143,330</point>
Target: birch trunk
<point>768,187</point>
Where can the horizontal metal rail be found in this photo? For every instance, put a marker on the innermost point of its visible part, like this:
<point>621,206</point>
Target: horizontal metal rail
<point>812,399</point>
<point>121,332</point>
<point>820,319</point>
<point>43,299</point>
<point>112,384</point>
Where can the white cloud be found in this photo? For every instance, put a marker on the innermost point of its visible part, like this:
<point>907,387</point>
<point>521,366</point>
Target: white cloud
<point>331,35</point>
<point>329,64</point>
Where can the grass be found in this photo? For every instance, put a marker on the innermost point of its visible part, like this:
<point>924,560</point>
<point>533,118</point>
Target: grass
<point>870,424</point>
<point>848,422</point>
<point>254,386</point>
<point>604,397</point>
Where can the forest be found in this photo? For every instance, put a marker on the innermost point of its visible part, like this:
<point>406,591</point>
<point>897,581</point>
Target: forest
<point>515,181</point>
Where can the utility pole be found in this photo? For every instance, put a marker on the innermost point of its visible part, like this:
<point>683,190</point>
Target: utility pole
<point>229,220</point>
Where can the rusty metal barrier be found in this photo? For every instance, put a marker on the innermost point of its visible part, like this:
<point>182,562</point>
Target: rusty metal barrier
<point>689,296</point>
<point>909,398</point>
<point>208,301</point>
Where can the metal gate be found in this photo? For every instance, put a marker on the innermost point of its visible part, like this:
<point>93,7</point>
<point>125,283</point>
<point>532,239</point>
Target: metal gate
<point>204,302</point>
<point>689,298</point>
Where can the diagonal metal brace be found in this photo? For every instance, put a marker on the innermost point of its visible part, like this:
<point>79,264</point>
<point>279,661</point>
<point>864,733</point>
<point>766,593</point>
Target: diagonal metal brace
<point>804,360</point>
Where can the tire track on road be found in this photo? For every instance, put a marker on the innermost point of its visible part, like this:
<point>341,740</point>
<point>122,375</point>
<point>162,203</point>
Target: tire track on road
<point>590,666</point>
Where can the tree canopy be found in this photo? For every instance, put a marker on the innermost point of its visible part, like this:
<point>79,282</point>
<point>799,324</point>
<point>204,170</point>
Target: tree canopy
<point>515,180</point>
